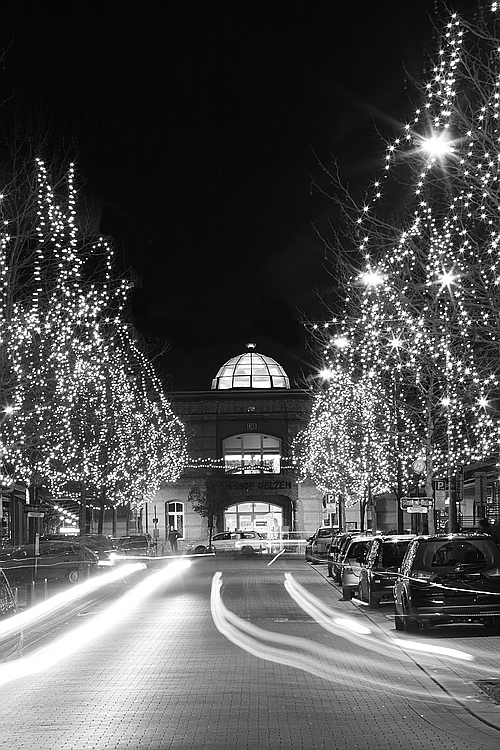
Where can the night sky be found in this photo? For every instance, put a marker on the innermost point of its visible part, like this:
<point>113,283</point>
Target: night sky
<point>198,126</point>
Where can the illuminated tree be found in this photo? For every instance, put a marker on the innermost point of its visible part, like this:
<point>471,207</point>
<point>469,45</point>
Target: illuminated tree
<point>422,308</point>
<point>85,404</point>
<point>349,447</point>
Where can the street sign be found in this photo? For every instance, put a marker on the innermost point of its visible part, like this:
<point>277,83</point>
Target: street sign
<point>416,504</point>
<point>418,466</point>
<point>407,502</point>
<point>417,509</point>
<point>35,514</point>
<point>459,492</point>
<point>439,489</point>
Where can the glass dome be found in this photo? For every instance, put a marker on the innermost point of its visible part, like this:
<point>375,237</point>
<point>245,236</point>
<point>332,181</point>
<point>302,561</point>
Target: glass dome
<point>251,370</point>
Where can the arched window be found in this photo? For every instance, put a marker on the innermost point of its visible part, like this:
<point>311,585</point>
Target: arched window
<point>174,516</point>
<point>252,453</point>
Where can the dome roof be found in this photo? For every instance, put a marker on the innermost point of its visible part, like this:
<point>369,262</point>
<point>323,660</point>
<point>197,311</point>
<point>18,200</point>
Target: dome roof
<point>251,370</point>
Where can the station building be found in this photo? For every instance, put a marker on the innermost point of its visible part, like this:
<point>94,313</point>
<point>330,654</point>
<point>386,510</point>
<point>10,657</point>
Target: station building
<point>245,425</point>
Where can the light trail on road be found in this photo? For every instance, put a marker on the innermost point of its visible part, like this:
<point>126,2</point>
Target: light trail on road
<point>324,617</point>
<point>388,654</point>
<point>56,602</point>
<point>275,557</point>
<point>79,637</point>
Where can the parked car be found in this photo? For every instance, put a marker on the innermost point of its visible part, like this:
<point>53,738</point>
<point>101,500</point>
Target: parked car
<point>317,546</point>
<point>134,545</point>
<point>235,542</point>
<point>335,551</point>
<point>351,561</point>
<point>100,544</point>
<point>11,644</point>
<point>448,579</point>
<point>57,559</point>
<point>379,572</point>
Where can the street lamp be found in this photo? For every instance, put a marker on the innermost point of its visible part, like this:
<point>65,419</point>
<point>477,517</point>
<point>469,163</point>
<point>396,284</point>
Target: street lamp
<point>437,145</point>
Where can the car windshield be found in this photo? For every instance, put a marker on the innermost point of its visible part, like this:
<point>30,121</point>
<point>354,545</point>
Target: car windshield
<point>448,553</point>
<point>357,549</point>
<point>324,532</point>
<point>131,542</point>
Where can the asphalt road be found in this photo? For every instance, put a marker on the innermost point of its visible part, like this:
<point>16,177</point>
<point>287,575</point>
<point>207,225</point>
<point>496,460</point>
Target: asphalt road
<point>228,654</point>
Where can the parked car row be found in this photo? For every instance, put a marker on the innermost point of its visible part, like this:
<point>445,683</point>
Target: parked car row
<point>56,559</point>
<point>10,644</point>
<point>59,557</point>
<point>318,545</point>
<point>431,580</point>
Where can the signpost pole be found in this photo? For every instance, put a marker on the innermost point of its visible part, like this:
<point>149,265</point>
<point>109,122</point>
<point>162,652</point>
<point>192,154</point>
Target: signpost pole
<point>83,529</point>
<point>452,504</point>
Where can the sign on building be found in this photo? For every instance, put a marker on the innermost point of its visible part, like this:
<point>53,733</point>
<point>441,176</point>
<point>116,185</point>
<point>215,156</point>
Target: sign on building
<point>439,491</point>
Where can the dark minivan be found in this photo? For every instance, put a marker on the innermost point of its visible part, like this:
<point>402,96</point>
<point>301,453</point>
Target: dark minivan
<point>449,579</point>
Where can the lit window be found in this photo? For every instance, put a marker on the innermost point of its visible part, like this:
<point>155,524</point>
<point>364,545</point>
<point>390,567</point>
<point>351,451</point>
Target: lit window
<point>251,370</point>
<point>174,517</point>
<point>252,453</point>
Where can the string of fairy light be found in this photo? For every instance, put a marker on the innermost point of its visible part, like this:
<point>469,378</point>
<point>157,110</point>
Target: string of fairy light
<point>421,317</point>
<point>85,404</point>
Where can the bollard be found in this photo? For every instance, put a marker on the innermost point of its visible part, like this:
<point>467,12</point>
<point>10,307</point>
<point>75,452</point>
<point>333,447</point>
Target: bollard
<point>45,588</point>
<point>15,593</point>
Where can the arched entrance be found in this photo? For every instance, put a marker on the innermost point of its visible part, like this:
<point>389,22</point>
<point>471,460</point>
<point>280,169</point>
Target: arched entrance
<point>269,516</point>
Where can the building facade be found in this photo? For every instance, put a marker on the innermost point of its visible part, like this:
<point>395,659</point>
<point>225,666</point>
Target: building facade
<point>245,425</point>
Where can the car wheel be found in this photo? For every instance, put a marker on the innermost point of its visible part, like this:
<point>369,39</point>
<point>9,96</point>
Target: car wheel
<point>247,550</point>
<point>314,561</point>
<point>73,576</point>
<point>410,625</point>
<point>308,559</point>
<point>200,550</point>
<point>346,593</point>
